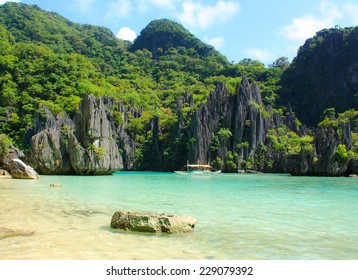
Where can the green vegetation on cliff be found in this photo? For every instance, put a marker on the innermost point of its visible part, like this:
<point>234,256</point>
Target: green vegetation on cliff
<point>323,75</point>
<point>49,61</point>
<point>46,60</point>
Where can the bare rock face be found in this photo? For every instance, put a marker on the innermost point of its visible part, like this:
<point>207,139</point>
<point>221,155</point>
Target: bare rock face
<point>84,146</point>
<point>93,149</point>
<point>152,222</point>
<point>323,161</point>
<point>19,170</point>
<point>231,131</point>
<point>6,162</point>
<point>49,152</point>
<point>243,114</point>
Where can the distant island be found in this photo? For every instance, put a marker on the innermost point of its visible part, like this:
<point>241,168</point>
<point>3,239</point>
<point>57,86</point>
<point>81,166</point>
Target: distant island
<point>74,99</point>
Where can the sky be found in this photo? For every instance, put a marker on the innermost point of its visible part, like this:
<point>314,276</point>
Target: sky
<point>238,29</point>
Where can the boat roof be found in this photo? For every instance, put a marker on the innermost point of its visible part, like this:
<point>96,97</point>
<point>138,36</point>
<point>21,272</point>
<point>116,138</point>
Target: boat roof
<point>199,165</point>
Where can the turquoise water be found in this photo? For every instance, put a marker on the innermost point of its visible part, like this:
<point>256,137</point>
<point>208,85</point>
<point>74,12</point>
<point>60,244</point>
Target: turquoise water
<point>239,216</point>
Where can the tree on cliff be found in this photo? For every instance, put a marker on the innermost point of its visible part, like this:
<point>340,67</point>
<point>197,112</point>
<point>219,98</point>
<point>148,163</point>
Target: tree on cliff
<point>323,75</point>
<point>154,87</point>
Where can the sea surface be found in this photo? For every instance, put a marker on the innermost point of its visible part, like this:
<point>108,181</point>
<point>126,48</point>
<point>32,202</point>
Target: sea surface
<point>240,216</point>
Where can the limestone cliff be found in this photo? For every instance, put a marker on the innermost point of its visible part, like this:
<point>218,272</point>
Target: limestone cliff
<point>325,159</point>
<point>83,145</point>
<point>230,131</point>
<point>236,132</point>
<point>243,114</point>
<point>324,74</point>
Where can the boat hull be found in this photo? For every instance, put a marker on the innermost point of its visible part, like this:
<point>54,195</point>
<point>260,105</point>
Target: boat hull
<point>197,173</point>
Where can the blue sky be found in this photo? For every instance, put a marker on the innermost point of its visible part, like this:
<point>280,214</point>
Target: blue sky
<point>256,29</point>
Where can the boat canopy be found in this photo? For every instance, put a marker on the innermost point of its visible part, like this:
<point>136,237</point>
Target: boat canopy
<point>199,166</point>
<point>198,169</point>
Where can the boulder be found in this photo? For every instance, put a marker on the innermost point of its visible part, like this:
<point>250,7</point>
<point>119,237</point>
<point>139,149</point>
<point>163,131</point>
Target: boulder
<point>20,170</point>
<point>152,222</point>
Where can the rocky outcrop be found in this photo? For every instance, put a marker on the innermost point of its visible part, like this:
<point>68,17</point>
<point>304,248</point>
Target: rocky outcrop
<point>324,74</point>
<point>19,170</point>
<point>84,145</point>
<point>6,162</point>
<point>152,222</point>
<point>243,114</point>
<point>230,131</point>
<point>124,139</point>
<point>324,160</point>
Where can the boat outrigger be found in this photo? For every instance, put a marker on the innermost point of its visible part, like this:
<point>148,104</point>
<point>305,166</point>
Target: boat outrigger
<point>198,169</point>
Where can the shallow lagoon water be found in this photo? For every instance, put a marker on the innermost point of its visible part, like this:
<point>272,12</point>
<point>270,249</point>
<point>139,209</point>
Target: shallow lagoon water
<point>240,216</point>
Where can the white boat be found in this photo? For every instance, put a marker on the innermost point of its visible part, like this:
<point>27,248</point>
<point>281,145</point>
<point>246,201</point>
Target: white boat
<point>198,169</point>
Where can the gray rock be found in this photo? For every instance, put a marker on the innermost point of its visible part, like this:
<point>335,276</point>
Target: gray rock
<point>243,114</point>
<point>152,222</point>
<point>95,139</point>
<point>19,170</point>
<point>85,146</point>
<point>49,154</point>
<point>6,162</point>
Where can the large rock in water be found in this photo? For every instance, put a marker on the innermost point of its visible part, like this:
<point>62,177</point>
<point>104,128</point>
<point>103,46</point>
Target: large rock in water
<point>20,170</point>
<point>152,222</point>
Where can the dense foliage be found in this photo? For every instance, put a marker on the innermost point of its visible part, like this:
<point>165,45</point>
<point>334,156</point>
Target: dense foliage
<point>161,35</point>
<point>323,75</point>
<point>47,60</point>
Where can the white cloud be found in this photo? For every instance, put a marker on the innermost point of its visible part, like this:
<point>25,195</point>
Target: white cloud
<point>302,28</point>
<point>196,14</point>
<point>118,9</point>
<point>127,34</point>
<point>306,26</point>
<point>216,42</point>
<point>261,55</point>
